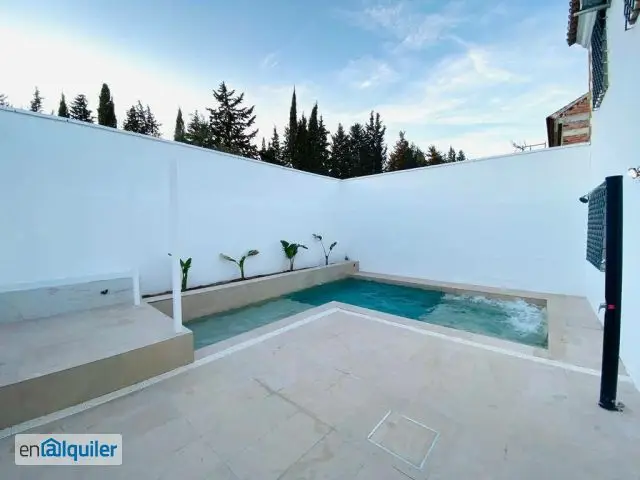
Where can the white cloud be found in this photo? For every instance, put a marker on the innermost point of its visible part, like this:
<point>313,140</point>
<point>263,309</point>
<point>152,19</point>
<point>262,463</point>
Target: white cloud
<point>478,95</point>
<point>367,72</point>
<point>412,29</point>
<point>270,60</point>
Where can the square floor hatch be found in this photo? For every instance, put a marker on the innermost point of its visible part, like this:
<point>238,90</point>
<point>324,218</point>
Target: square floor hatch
<point>404,438</point>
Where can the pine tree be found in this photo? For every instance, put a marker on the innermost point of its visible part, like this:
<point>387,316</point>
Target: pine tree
<point>271,153</point>
<point>230,123</point>
<point>461,156</point>
<point>434,157</point>
<point>36,103</point>
<point>79,109</point>
<point>106,108</point>
<point>400,157</point>
<point>132,123</point>
<point>290,132</point>
<point>151,125</point>
<point>451,155</point>
<point>264,152</point>
<point>141,120</point>
<point>417,157</point>
<point>376,149</point>
<point>179,134</point>
<point>274,145</point>
<point>340,159</point>
<point>198,131</point>
<point>359,152</point>
<point>3,100</point>
<point>63,110</point>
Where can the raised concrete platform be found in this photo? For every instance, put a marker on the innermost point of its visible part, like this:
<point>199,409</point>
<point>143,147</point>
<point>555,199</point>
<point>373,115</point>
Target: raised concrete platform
<point>48,364</point>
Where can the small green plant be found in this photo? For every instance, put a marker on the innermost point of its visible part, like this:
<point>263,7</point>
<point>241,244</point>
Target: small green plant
<point>326,254</point>
<point>185,265</point>
<point>240,263</point>
<point>291,250</point>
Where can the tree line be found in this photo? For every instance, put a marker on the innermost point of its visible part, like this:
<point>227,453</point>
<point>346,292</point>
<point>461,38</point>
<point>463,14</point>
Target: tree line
<point>138,119</point>
<point>306,143</point>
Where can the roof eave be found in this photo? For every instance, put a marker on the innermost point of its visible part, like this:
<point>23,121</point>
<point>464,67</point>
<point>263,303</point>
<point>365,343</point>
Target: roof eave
<point>572,28</point>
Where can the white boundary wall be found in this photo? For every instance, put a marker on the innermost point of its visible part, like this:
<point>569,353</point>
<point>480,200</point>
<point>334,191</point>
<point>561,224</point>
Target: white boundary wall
<point>87,200</point>
<point>614,148</point>
<point>513,221</point>
<point>81,200</point>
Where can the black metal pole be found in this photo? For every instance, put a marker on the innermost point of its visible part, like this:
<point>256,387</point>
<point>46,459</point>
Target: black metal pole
<point>612,294</point>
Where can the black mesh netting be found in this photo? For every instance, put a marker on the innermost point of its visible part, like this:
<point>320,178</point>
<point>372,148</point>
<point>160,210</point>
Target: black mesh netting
<point>596,227</point>
<point>599,59</point>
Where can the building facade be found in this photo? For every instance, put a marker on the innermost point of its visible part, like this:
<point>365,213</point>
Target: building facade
<point>571,124</point>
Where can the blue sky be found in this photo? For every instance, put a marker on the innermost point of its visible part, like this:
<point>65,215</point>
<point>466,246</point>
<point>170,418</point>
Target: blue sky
<point>472,73</point>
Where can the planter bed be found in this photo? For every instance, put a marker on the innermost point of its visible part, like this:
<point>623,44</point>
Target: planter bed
<point>199,302</point>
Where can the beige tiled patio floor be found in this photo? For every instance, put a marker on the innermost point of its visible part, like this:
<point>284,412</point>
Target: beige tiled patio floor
<point>301,405</point>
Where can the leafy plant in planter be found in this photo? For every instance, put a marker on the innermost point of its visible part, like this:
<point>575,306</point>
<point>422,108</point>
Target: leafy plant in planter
<point>290,251</point>
<point>240,263</point>
<point>185,265</point>
<point>326,254</point>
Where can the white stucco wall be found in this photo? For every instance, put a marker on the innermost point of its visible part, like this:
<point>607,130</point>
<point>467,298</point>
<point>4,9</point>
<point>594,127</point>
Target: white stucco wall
<point>513,221</point>
<point>83,200</point>
<point>614,148</point>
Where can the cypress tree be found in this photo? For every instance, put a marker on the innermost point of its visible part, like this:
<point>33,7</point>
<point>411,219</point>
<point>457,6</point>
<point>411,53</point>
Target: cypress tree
<point>198,131</point>
<point>106,108</point>
<point>290,132</point>
<point>359,151</point>
<point>79,109</point>
<point>36,102</point>
<point>377,149</point>
<point>179,134</point>
<point>230,123</point>
<point>324,146</point>
<point>461,156</point>
<point>301,146</point>
<point>63,110</point>
<point>314,160</point>
<point>339,165</point>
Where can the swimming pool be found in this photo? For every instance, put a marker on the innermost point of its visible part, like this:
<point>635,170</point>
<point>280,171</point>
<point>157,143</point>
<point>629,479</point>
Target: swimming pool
<point>514,320</point>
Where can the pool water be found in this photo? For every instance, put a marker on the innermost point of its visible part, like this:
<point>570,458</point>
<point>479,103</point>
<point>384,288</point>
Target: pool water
<point>514,320</point>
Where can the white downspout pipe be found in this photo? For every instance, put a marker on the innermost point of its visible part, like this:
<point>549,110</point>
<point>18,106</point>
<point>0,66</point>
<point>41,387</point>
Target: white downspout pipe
<point>174,239</point>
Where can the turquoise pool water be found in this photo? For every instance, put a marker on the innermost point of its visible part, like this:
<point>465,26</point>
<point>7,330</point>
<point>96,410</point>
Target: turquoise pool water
<point>514,320</point>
